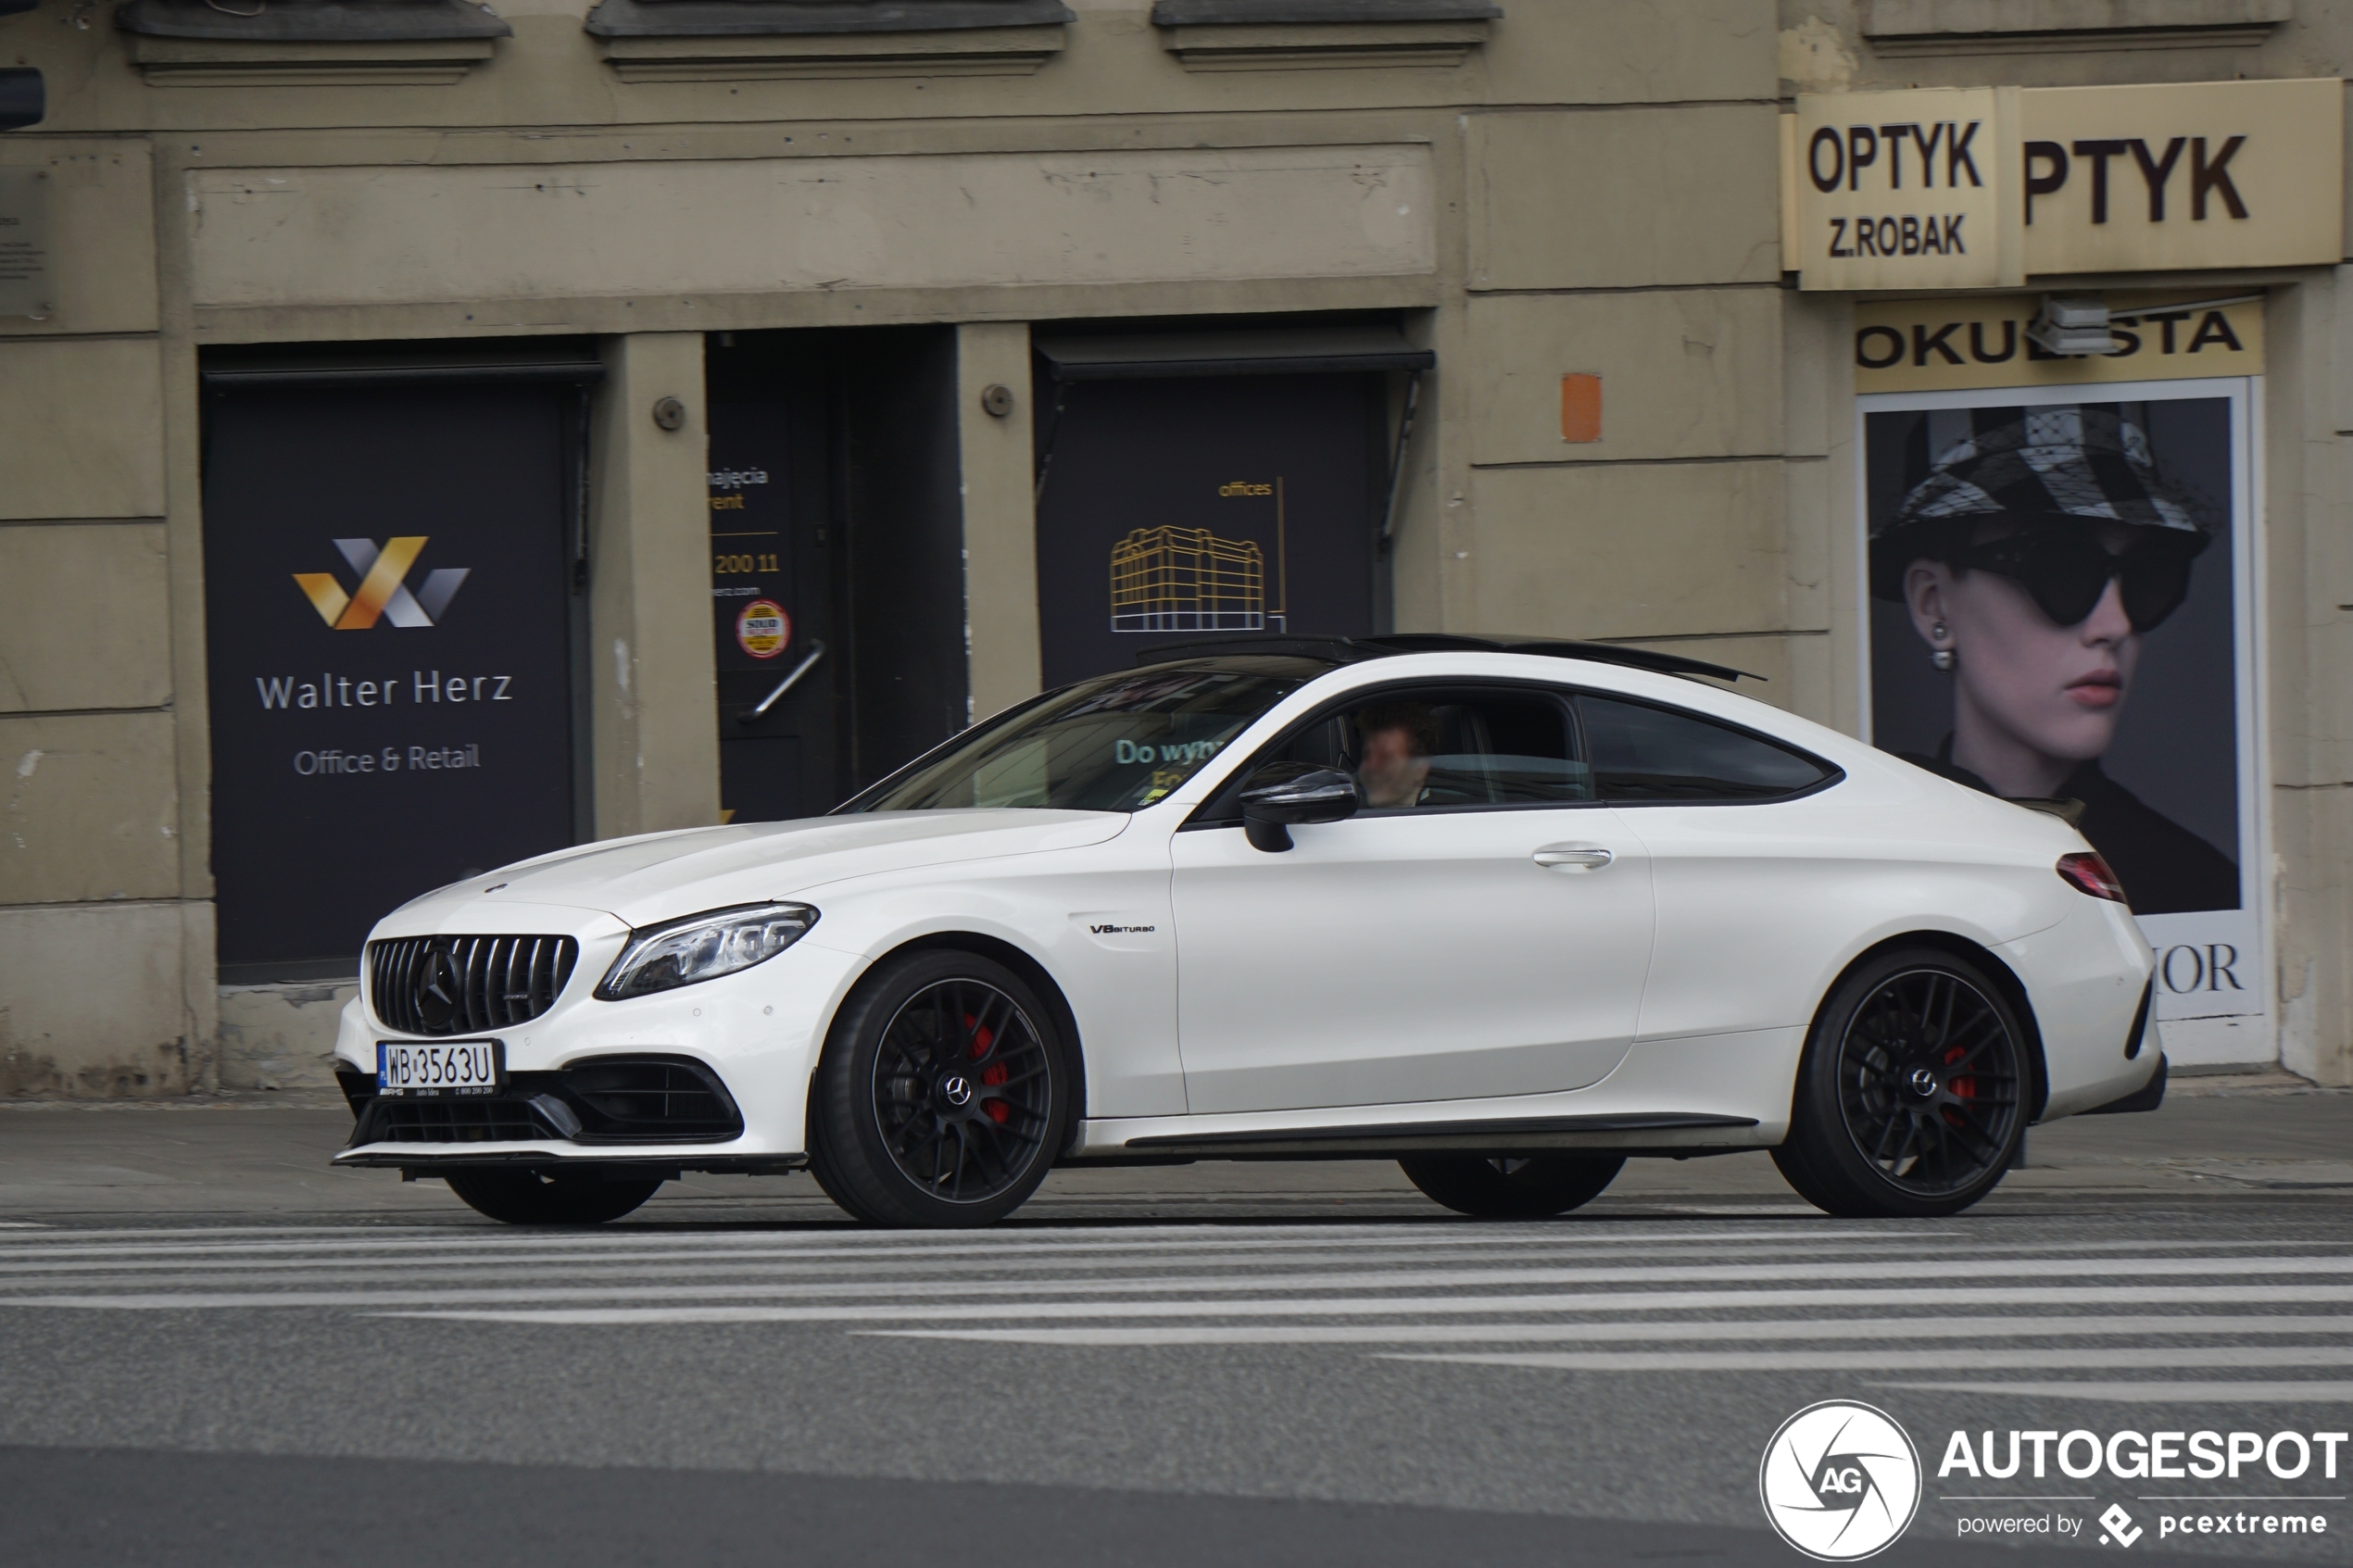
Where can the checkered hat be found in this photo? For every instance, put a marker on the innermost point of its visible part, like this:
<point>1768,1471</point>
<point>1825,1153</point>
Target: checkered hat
<point>2067,461</point>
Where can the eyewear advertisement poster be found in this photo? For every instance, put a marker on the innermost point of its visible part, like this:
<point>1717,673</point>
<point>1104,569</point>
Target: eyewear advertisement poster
<point>2060,598</point>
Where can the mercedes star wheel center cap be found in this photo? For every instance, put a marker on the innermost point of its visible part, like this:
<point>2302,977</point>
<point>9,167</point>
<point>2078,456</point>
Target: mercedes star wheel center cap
<point>956,1090</point>
<point>1923,1082</point>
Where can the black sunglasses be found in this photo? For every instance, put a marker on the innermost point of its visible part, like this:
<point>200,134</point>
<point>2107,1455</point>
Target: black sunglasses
<point>2065,569</point>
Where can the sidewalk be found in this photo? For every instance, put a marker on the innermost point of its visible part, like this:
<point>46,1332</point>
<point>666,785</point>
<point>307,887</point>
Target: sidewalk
<point>253,1153</point>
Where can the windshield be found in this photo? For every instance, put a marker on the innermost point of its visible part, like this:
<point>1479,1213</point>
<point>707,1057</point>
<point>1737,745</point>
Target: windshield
<point>1117,742</point>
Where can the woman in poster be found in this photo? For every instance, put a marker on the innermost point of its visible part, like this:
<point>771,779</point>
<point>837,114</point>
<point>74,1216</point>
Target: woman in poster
<point>2032,560</point>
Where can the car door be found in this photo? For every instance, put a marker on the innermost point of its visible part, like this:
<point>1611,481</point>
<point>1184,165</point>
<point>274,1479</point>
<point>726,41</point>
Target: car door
<point>1488,938</point>
<point>1752,863</point>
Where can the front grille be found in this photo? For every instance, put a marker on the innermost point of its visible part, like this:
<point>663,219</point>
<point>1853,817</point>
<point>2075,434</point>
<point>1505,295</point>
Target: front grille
<point>466,985</point>
<point>449,1121</point>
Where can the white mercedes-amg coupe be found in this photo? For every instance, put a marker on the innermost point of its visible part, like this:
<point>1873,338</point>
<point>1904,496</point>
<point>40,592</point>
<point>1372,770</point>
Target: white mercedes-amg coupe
<point>1508,913</point>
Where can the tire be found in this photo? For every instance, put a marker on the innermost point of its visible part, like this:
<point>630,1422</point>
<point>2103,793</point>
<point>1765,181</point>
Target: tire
<point>551,1198</point>
<point>1536,1188</point>
<point>1910,1099</point>
<point>942,1096</point>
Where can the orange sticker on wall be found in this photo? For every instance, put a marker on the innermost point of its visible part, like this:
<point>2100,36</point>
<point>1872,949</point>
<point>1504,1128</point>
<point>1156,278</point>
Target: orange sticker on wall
<point>764,629</point>
<point>1580,407</point>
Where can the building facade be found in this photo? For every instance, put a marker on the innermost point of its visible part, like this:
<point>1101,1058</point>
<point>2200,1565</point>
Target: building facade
<point>435,434</point>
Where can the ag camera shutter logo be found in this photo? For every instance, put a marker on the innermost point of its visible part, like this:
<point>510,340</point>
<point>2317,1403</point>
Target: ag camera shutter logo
<point>1841,1481</point>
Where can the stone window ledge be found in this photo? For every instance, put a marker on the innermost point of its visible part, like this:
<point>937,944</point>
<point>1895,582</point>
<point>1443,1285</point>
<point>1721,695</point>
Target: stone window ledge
<point>768,39</point>
<point>308,43</point>
<point>1309,34</point>
<point>1963,27</point>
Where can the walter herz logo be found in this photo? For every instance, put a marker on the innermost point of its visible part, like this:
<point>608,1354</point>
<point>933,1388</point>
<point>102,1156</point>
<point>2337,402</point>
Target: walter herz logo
<point>1841,1481</point>
<point>383,592</point>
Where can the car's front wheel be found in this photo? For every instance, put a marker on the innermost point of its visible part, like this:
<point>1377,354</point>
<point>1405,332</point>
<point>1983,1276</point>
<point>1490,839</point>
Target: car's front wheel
<point>1535,1189</point>
<point>551,1198</point>
<point>1911,1098</point>
<point>943,1096</point>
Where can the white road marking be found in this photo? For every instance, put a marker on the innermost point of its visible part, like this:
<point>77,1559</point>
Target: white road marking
<point>1592,1301</point>
<point>2175,1358</point>
<point>1719,1274</point>
<point>1533,1333</point>
<point>893,1243</point>
<point>2183,1393</point>
<point>676,1262</point>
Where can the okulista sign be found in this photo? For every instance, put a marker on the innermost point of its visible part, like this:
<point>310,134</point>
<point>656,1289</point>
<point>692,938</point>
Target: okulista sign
<point>1949,188</point>
<point>1943,343</point>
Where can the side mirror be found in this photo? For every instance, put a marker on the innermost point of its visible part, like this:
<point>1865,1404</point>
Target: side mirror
<point>1283,794</point>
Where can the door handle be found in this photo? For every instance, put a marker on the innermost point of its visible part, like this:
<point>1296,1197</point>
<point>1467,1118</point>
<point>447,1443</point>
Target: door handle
<point>808,662</point>
<point>1573,857</point>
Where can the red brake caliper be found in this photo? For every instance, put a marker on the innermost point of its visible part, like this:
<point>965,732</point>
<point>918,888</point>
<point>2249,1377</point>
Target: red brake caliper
<point>1963,1087</point>
<point>993,1074</point>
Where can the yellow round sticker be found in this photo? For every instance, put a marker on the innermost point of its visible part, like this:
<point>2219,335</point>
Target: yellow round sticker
<point>764,629</point>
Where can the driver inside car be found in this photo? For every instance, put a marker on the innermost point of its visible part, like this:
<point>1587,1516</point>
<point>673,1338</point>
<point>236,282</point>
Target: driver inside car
<point>1399,740</point>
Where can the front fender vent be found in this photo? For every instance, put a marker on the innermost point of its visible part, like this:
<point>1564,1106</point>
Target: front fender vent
<point>439,985</point>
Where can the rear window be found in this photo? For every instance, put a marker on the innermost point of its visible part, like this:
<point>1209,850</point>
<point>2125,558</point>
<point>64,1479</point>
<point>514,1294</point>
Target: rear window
<point>1639,753</point>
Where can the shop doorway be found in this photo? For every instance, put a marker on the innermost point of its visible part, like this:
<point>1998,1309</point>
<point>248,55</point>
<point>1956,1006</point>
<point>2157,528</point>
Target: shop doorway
<point>836,567</point>
<point>1212,482</point>
<point>394,566</point>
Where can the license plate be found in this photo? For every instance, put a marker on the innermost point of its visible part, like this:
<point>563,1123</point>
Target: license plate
<point>414,1069</point>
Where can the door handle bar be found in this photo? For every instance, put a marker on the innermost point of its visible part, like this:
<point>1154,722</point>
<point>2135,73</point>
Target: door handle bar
<point>1589,856</point>
<point>808,662</point>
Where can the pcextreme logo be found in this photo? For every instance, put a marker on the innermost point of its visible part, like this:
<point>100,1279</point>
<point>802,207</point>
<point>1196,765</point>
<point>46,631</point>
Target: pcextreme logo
<point>383,590</point>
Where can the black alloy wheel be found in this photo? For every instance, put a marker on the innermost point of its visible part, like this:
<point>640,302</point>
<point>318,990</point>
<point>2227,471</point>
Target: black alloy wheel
<point>1912,1097</point>
<point>940,1100</point>
<point>1534,1189</point>
<point>552,1197</point>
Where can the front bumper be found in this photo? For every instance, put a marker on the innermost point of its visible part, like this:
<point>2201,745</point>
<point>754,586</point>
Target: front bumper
<point>755,1036</point>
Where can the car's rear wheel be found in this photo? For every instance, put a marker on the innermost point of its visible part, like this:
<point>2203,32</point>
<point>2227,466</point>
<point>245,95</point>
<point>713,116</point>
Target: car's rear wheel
<point>1911,1098</point>
<point>1534,1189</point>
<point>551,1198</point>
<point>943,1096</point>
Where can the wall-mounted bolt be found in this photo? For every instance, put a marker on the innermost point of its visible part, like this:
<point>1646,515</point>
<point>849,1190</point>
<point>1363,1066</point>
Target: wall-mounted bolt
<point>669,413</point>
<point>998,400</point>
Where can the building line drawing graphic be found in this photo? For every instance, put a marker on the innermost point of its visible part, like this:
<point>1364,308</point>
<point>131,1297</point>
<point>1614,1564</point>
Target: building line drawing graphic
<point>1179,579</point>
<point>384,588</point>
<point>1171,579</point>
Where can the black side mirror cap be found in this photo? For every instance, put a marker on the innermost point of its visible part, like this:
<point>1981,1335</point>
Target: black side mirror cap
<point>1283,794</point>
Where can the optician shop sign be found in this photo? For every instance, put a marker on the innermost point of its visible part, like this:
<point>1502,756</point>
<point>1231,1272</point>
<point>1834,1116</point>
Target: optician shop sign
<point>1969,188</point>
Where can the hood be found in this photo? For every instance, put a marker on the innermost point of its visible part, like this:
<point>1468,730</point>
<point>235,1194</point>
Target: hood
<point>664,875</point>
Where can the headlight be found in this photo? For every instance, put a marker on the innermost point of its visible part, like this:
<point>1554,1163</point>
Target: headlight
<point>704,947</point>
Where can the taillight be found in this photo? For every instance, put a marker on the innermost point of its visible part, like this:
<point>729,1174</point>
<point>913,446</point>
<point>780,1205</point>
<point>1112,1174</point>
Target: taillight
<point>2089,874</point>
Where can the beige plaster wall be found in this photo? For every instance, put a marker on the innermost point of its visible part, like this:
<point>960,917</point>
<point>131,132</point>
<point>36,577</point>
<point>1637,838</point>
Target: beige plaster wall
<point>654,728</point>
<point>1000,517</point>
<point>106,1001</point>
<point>78,427</point>
<point>280,1037</point>
<point>84,618</point>
<point>373,234</point>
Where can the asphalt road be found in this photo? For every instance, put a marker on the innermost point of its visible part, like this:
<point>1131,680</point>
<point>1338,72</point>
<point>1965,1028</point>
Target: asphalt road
<point>213,1351</point>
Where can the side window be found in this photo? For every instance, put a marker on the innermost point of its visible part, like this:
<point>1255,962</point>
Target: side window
<point>1641,753</point>
<point>1431,748</point>
<point>1490,747</point>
